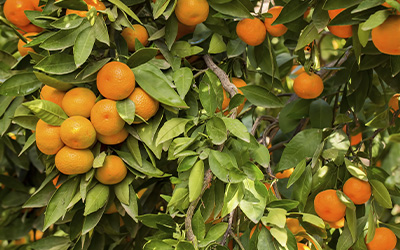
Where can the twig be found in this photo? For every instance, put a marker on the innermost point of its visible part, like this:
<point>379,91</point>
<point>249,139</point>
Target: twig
<point>199,73</point>
<point>230,222</point>
<point>324,73</point>
<point>237,240</point>
<point>257,122</point>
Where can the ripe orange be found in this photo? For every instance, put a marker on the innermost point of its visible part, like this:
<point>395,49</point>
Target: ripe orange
<point>251,31</point>
<point>112,209</point>
<point>308,86</point>
<point>386,36</point>
<point>354,139</point>
<point>115,81</point>
<point>71,161</point>
<point>278,29</point>
<point>105,118</point>
<point>328,206</point>
<point>24,50</point>
<point>337,224</point>
<point>112,172</point>
<point>384,239</point>
<point>35,4</point>
<point>394,103</point>
<point>48,138</point>
<point>387,5</point>
<point>34,236</point>
<point>142,191</point>
<point>113,139</point>
<point>14,11</point>
<point>79,101</point>
<point>301,246</point>
<point>30,28</point>
<point>145,105</point>
<point>138,32</point>
<point>77,132</point>
<point>284,174</point>
<point>192,12</point>
<point>90,3</point>
<point>225,104</point>
<point>294,226</point>
<point>55,181</point>
<point>357,190</point>
<point>52,94</point>
<point>184,30</point>
<point>342,31</point>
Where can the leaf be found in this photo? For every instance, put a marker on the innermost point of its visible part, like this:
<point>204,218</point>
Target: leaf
<point>297,173</point>
<point>302,188</point>
<point>302,146</point>
<point>260,96</point>
<point>280,235</point>
<point>57,64</point>
<point>154,82</point>
<point>72,4</point>
<point>196,180</point>
<point>183,49</point>
<point>208,97</point>
<point>291,11</point>
<point>321,114</point>
<point>68,22</point>
<point>237,128</point>
<point>337,4</point>
<point>235,48</point>
<point>375,20</point>
<point>233,8</point>
<point>100,31</point>
<point>345,240</point>
<point>92,220</point>
<point>132,209</point>
<point>96,198</point>
<point>381,194</point>
<point>171,129</point>
<point>83,46</point>
<point>224,168</point>
<point>126,110</point>
<point>141,56</point>
<point>146,168</point>
<point>122,189</point>
<point>309,34</point>
<point>48,111</point>
<point>51,243</point>
<point>355,171</point>
<point>126,9</point>
<point>371,228</point>
<point>276,217</point>
<point>217,44</point>
<point>31,140</point>
<point>314,220</point>
<point>292,113</point>
<point>20,85</point>
<point>254,200</point>
<point>214,233</point>
<point>379,121</point>
<point>216,130</point>
<point>53,81</point>
<point>183,78</point>
<point>265,240</point>
<point>261,155</point>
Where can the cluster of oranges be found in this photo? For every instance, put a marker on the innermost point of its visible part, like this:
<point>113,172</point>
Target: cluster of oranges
<point>90,121</point>
<point>14,12</point>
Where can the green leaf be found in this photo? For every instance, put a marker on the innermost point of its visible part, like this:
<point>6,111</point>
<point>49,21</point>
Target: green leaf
<point>132,209</point>
<point>233,8</point>
<point>235,48</point>
<point>375,20</point>
<point>297,173</point>
<point>214,233</point>
<point>280,235</point>
<point>68,22</point>
<point>355,170</point>
<point>196,180</point>
<point>309,34</point>
<point>5,102</point>
<point>100,30</point>
<point>57,64</point>
<point>141,56</point>
<point>126,110</point>
<point>171,129</point>
<point>302,188</point>
<point>183,49</point>
<point>292,113</point>
<point>337,4</point>
<point>208,97</point>
<point>321,114</point>
<point>72,4</point>
<point>351,219</point>
<point>146,168</point>
<point>92,220</point>
<point>254,200</point>
<point>261,156</point>
<point>122,189</point>
<point>265,240</point>
<point>53,81</point>
<point>171,30</point>
<point>314,220</point>
<point>96,198</point>
<point>381,194</point>
<point>183,78</point>
<point>64,38</point>
<point>217,44</point>
<point>285,204</point>
<point>125,9</point>
<point>159,8</point>
<point>20,85</point>
<point>237,128</point>
<point>291,11</point>
<point>155,83</point>
<point>216,130</point>
<point>371,228</point>
<point>379,121</point>
<point>31,140</point>
<point>83,46</point>
<point>276,217</point>
<point>223,166</point>
<point>51,243</point>
<point>345,240</point>
<point>48,111</point>
<point>260,96</point>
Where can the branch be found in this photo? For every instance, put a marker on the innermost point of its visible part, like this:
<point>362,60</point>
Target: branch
<point>324,73</point>
<point>230,222</point>
<point>237,240</point>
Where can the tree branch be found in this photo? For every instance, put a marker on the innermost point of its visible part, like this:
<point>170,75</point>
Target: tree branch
<point>237,240</point>
<point>230,222</point>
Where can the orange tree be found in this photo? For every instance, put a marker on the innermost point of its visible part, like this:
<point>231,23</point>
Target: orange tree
<point>194,124</point>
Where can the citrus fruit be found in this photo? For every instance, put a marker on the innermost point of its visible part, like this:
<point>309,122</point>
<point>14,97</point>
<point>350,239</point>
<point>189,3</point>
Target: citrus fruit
<point>278,29</point>
<point>301,246</point>
<point>337,224</point>
<point>259,228</point>
<point>52,94</point>
<point>297,70</point>
<point>145,105</point>
<point>138,32</point>
<point>79,101</point>
<point>385,36</point>
<point>71,161</point>
<point>35,235</point>
<point>30,28</point>
<point>55,181</point>
<point>308,86</point>
<point>90,3</point>
<point>112,209</point>
<point>77,132</point>
<point>113,139</point>
<point>328,206</point>
<point>112,172</point>
<point>115,81</point>
<point>192,12</point>
<point>384,239</point>
<point>35,4</point>
<point>24,50</point>
<point>48,138</point>
<point>225,104</point>
<point>294,226</point>
<point>284,174</point>
<point>394,103</point>
<point>342,31</point>
<point>354,139</point>
<point>357,190</point>
<point>387,5</point>
<point>14,11</point>
<point>184,30</point>
<point>269,187</point>
<point>251,31</point>
<point>105,118</point>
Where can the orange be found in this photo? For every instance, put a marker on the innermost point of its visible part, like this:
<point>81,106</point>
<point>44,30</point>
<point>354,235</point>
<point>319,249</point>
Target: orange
<point>294,226</point>
<point>225,104</point>
<point>90,3</point>
<point>328,206</point>
<point>394,103</point>
<point>24,50</point>
<point>55,181</point>
<point>278,29</point>
<point>308,86</point>
<point>384,239</point>
<point>259,228</point>
<point>14,11</point>
<point>145,105</point>
<point>35,4</point>
<point>269,186</point>
<point>184,30</point>
<point>30,28</point>
<point>138,32</point>
<point>357,190</point>
<point>77,132</point>
<point>79,101</point>
<point>337,224</point>
<point>71,161</point>
<point>112,172</point>
<point>34,236</point>
<point>105,117</point>
<point>297,70</point>
<point>192,12</point>
<point>301,246</point>
<point>141,192</point>
<point>386,37</point>
<point>48,138</point>
<point>52,94</point>
<point>284,174</point>
<point>113,139</point>
<point>115,81</point>
<point>342,31</point>
<point>354,139</point>
<point>112,209</point>
<point>251,31</point>
<point>389,6</point>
